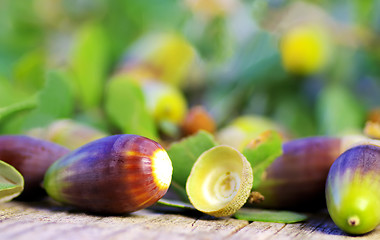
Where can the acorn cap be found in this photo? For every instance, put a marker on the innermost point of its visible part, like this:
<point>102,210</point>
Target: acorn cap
<point>220,181</point>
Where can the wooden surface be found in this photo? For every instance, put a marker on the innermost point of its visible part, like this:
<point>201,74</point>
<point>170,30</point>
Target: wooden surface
<point>47,220</point>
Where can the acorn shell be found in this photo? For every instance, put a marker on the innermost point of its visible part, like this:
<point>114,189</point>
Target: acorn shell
<point>31,157</point>
<point>353,189</point>
<point>220,181</point>
<point>116,174</point>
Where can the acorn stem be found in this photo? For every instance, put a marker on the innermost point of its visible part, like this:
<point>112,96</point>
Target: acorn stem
<point>255,197</point>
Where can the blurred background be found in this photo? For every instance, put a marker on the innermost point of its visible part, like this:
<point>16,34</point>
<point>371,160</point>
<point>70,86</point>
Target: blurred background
<point>144,66</point>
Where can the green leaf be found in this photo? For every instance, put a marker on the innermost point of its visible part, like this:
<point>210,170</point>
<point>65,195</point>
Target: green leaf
<point>56,98</point>
<point>125,106</point>
<point>236,81</point>
<point>18,107</point>
<point>54,101</point>
<point>180,190</point>
<point>267,148</point>
<point>215,41</point>
<point>294,113</point>
<point>184,154</point>
<point>29,70</point>
<point>89,63</point>
<point>9,94</point>
<point>11,182</point>
<point>163,13</point>
<point>175,203</point>
<point>339,112</point>
<point>364,12</point>
<point>261,215</point>
<point>260,10</point>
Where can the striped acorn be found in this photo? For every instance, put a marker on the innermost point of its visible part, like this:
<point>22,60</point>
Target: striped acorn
<point>31,157</point>
<point>352,189</point>
<point>115,174</point>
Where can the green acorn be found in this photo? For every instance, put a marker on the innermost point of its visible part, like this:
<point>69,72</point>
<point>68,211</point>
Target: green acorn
<point>352,190</point>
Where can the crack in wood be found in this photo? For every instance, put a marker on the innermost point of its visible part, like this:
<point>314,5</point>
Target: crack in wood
<point>279,230</point>
<point>238,229</point>
<point>193,223</point>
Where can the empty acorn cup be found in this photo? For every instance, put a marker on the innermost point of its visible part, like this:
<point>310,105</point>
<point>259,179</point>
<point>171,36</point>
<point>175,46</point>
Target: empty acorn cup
<point>220,181</point>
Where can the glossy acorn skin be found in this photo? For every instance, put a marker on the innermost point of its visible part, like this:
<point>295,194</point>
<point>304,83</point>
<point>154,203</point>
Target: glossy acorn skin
<point>112,175</point>
<point>353,190</point>
<point>297,178</point>
<point>31,157</point>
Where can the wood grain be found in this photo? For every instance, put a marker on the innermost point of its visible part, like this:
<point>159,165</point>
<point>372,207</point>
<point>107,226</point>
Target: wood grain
<point>47,220</point>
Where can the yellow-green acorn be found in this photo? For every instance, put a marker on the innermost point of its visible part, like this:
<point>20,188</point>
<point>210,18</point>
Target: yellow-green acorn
<point>352,190</point>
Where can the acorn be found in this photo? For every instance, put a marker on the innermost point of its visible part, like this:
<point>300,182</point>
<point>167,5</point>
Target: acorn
<point>352,190</point>
<point>296,179</point>
<point>31,157</point>
<point>68,133</point>
<point>168,57</point>
<point>374,115</point>
<point>305,49</point>
<point>164,102</point>
<point>372,129</point>
<point>114,175</point>
<point>241,130</point>
<point>196,119</point>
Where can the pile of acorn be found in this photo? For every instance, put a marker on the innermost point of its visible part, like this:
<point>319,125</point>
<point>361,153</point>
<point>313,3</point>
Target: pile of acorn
<point>124,173</point>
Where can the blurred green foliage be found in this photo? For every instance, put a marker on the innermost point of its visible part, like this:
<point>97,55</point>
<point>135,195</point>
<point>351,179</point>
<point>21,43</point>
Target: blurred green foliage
<point>133,119</point>
<point>57,56</point>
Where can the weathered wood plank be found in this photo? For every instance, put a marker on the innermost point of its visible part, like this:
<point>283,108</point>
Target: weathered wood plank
<point>22,220</point>
<point>46,220</point>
